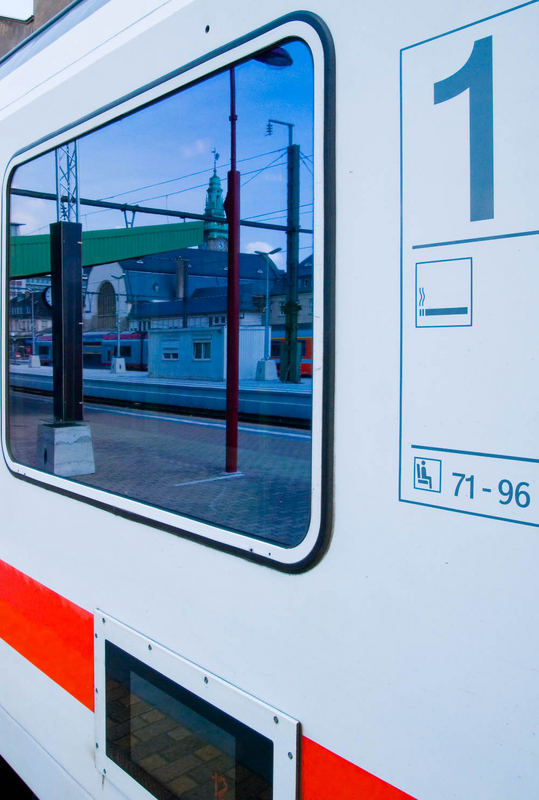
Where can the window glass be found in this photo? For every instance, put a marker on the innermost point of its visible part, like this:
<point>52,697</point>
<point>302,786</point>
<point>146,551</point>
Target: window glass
<point>154,276</point>
<point>202,351</point>
<point>176,744</point>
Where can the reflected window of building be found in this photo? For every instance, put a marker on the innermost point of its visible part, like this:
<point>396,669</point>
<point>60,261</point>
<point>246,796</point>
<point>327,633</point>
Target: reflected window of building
<point>202,351</point>
<point>106,305</point>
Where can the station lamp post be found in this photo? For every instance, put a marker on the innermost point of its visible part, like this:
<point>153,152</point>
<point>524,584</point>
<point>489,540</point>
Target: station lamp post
<point>276,57</point>
<point>267,309</point>
<point>117,278</point>
<point>33,323</point>
<point>290,359</point>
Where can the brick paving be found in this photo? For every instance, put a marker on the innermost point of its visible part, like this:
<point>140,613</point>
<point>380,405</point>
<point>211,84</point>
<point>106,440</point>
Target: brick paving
<point>158,459</point>
<point>168,758</point>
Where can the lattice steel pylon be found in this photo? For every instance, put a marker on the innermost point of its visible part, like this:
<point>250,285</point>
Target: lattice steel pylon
<point>67,183</point>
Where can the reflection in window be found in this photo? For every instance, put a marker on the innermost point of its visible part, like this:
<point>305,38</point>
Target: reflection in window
<point>171,353</point>
<point>176,744</point>
<point>106,305</point>
<point>152,269</point>
<point>202,351</point>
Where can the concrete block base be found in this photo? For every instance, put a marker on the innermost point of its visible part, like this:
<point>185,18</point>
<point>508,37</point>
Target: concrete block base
<point>65,449</point>
<point>117,366</point>
<point>266,370</point>
<point>34,361</point>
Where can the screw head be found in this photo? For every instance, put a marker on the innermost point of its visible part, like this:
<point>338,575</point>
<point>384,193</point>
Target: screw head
<point>290,755</point>
<point>205,679</point>
<point>276,720</point>
<point>149,647</point>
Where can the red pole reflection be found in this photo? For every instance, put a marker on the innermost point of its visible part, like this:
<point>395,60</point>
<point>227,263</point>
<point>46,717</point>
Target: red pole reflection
<point>232,209</point>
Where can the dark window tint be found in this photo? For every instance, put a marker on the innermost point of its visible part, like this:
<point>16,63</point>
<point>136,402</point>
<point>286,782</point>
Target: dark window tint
<point>202,351</point>
<point>177,745</point>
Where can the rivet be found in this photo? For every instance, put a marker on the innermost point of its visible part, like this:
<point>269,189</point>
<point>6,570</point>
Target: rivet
<point>207,29</point>
<point>205,679</point>
<point>149,647</point>
<point>290,755</point>
<point>276,720</point>
<point>97,746</point>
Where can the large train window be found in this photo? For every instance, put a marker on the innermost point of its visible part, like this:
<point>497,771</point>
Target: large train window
<point>165,302</point>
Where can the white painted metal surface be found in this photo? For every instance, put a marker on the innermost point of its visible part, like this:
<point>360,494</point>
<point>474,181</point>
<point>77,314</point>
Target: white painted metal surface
<point>279,728</point>
<point>409,649</point>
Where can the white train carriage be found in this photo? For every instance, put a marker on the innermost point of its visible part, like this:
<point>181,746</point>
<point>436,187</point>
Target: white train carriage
<point>213,609</point>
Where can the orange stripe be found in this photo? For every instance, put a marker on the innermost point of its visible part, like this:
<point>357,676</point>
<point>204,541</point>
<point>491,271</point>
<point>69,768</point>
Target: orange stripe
<point>325,775</point>
<point>50,631</point>
<point>57,636</point>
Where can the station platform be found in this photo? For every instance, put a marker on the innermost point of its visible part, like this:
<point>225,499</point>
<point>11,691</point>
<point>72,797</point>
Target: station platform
<point>268,399</point>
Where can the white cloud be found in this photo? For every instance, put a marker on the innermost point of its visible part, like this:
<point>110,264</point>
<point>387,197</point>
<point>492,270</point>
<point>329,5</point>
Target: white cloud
<point>279,259</point>
<point>33,217</point>
<point>17,9</point>
<point>273,177</point>
<point>197,148</point>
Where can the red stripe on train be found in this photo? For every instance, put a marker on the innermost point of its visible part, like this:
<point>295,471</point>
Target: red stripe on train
<point>51,632</point>
<point>325,775</point>
<point>57,637</point>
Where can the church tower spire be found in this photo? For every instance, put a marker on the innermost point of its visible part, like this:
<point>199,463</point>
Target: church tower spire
<point>215,233</point>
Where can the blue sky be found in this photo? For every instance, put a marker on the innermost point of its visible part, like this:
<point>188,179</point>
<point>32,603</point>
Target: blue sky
<point>162,155</point>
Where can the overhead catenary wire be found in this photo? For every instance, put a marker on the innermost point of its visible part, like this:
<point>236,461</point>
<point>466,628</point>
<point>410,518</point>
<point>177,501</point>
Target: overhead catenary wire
<point>107,205</point>
<point>277,211</point>
<point>274,163</point>
<point>171,194</point>
<point>188,175</point>
<point>163,212</point>
<point>305,163</point>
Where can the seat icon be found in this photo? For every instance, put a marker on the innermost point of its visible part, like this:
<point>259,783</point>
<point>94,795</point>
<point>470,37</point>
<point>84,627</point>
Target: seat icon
<point>427,474</point>
<point>422,477</point>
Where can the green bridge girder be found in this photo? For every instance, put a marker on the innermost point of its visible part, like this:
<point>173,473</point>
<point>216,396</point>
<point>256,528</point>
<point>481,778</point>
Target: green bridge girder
<point>30,255</point>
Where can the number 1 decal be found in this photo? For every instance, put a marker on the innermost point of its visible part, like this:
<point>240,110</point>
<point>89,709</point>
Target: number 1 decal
<point>476,75</point>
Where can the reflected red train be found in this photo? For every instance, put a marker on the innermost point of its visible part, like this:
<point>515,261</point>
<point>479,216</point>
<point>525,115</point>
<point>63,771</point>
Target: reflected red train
<point>306,353</point>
